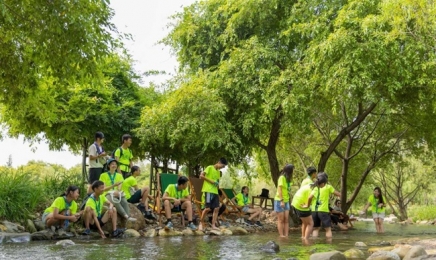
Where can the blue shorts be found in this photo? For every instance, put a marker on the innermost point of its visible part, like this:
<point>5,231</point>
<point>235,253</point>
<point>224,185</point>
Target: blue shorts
<point>245,209</point>
<point>279,209</point>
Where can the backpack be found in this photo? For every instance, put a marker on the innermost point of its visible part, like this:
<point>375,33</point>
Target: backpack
<point>105,166</point>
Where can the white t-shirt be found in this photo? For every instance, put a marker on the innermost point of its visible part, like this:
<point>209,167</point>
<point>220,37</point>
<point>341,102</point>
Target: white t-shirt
<point>98,163</point>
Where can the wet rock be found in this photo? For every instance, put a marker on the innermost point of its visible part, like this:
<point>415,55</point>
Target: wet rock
<point>10,227</point>
<point>414,252</point>
<point>150,233</point>
<point>354,254</point>
<point>65,242</point>
<point>187,232</point>
<point>30,227</point>
<point>270,247</point>
<point>425,257</point>
<point>226,232</point>
<point>42,235</point>
<point>139,224</point>
<point>199,233</point>
<point>384,255</point>
<point>14,237</point>
<point>131,233</point>
<point>238,231</point>
<point>215,232</point>
<point>169,233</point>
<point>360,244</point>
<point>401,250</point>
<point>334,255</point>
<point>39,225</point>
<point>377,249</point>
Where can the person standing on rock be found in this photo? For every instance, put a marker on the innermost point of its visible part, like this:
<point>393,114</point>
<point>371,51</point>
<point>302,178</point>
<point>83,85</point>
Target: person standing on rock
<point>176,198</point>
<point>113,192</point>
<point>97,158</point>
<point>298,201</point>
<point>124,156</point>
<point>136,195</point>
<point>281,200</point>
<point>242,202</point>
<point>319,201</point>
<point>211,177</point>
<point>378,208</point>
<point>93,217</point>
<point>62,210</point>
<point>311,176</point>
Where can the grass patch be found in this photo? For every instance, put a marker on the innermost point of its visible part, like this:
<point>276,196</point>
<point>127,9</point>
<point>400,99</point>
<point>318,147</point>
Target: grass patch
<point>422,212</point>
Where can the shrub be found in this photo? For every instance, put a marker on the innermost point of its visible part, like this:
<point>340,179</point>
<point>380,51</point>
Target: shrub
<point>422,212</point>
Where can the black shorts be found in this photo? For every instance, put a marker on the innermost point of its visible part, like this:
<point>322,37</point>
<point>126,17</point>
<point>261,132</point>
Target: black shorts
<point>135,198</point>
<point>94,226</point>
<point>321,217</point>
<point>125,174</point>
<point>94,174</point>
<point>302,214</point>
<point>212,200</point>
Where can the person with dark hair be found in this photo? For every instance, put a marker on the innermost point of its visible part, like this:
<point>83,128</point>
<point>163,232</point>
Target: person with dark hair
<point>311,176</point>
<point>298,201</point>
<point>211,177</point>
<point>281,200</point>
<point>93,217</point>
<point>134,194</point>
<point>320,205</point>
<point>124,156</point>
<point>63,209</point>
<point>378,208</point>
<point>242,202</point>
<point>177,198</point>
<point>113,192</point>
<point>343,218</point>
<point>97,158</point>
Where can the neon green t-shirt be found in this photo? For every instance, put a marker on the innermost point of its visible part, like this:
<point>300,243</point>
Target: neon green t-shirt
<point>174,193</point>
<point>61,204</point>
<point>306,181</point>
<point>125,159</point>
<point>374,205</point>
<point>286,189</point>
<point>301,197</point>
<point>96,204</point>
<point>213,174</point>
<point>322,195</point>
<point>241,200</point>
<point>129,183</point>
<point>111,179</point>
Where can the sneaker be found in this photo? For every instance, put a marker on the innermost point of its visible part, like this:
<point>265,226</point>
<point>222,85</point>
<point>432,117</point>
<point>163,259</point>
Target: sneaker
<point>149,215</point>
<point>169,225</point>
<point>86,232</point>
<point>131,219</point>
<point>257,223</point>
<point>118,232</point>
<point>192,226</point>
<point>141,208</point>
<point>248,222</point>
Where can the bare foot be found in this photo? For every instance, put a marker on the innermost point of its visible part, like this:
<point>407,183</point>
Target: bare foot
<point>215,228</point>
<point>200,227</point>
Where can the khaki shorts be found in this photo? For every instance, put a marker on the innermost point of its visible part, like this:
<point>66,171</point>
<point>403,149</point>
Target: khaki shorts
<point>378,215</point>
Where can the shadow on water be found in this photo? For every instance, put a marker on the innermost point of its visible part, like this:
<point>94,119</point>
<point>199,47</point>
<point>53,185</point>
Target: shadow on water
<point>210,247</point>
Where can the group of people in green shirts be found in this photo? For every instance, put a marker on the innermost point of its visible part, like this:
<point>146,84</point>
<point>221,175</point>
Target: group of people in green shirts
<point>311,203</point>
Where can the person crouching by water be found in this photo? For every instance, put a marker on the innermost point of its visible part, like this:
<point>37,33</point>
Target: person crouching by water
<point>320,205</point>
<point>242,202</point>
<point>113,190</point>
<point>281,200</point>
<point>298,201</point>
<point>378,209</point>
<point>62,210</point>
<point>93,217</point>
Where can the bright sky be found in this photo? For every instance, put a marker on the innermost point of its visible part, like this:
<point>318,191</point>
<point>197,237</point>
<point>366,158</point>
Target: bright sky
<point>146,21</point>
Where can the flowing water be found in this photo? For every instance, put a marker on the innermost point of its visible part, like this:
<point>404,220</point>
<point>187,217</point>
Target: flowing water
<point>210,247</point>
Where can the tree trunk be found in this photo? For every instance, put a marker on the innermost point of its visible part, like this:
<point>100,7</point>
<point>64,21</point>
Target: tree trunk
<point>272,144</point>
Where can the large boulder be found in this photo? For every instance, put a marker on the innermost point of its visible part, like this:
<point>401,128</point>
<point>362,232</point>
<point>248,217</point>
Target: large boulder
<point>10,227</point>
<point>334,255</point>
<point>43,235</point>
<point>131,233</point>
<point>39,225</point>
<point>238,230</point>
<point>30,227</point>
<point>354,254</point>
<point>377,249</point>
<point>384,255</point>
<point>226,232</point>
<point>139,224</point>
<point>414,252</point>
<point>401,250</point>
<point>150,233</point>
<point>270,247</point>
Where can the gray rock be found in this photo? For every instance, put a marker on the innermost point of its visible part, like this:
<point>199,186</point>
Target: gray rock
<point>425,257</point>
<point>384,255</point>
<point>150,233</point>
<point>10,227</point>
<point>360,244</point>
<point>14,237</point>
<point>65,242</point>
<point>39,225</point>
<point>226,232</point>
<point>334,255</point>
<point>30,226</point>
<point>271,247</point>
<point>169,233</point>
<point>414,252</point>
<point>42,235</point>
<point>238,231</point>
<point>354,254</point>
<point>215,232</point>
<point>401,250</point>
<point>131,233</point>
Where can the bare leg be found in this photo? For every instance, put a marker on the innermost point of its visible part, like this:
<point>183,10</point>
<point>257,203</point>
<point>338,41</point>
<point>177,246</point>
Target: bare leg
<point>280,217</point>
<point>286,223</point>
<point>303,228</point>
<point>144,199</point>
<point>309,227</point>
<point>203,214</point>
<point>215,218</point>
<point>381,228</point>
<point>167,206</point>
<point>376,225</point>
<point>88,215</point>
<point>187,206</point>
<point>315,232</point>
<point>328,232</point>
<point>254,213</point>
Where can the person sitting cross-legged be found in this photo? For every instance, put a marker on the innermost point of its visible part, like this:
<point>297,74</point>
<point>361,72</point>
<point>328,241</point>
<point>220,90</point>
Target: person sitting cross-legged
<point>177,198</point>
<point>93,217</point>
<point>137,195</point>
<point>241,201</point>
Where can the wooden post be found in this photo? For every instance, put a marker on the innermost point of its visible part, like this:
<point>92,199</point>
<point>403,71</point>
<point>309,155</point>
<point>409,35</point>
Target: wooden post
<point>84,172</point>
